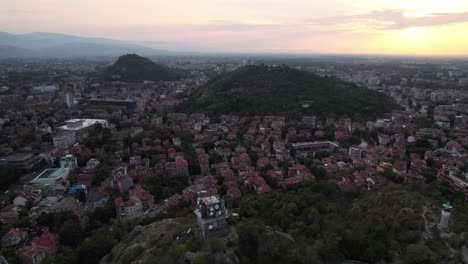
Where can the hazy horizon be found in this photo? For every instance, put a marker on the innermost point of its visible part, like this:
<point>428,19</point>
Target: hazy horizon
<point>362,27</point>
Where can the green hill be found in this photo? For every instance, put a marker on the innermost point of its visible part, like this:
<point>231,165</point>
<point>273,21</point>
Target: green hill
<point>134,68</point>
<point>266,90</point>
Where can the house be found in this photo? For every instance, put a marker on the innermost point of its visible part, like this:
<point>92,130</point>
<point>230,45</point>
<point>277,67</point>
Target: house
<point>121,179</point>
<point>92,163</point>
<point>102,196</point>
<point>455,149</point>
<point>128,209</point>
<point>234,193</point>
<point>179,156</point>
<point>417,164</point>
<point>400,167</point>
<point>383,139</point>
<point>177,168</point>
<point>124,183</point>
<point>48,243</point>
<point>30,255</point>
<point>341,135</point>
<point>135,160</point>
<point>355,153</point>
<point>288,182</point>
<point>347,186</point>
<point>14,237</point>
<point>275,176</point>
<point>259,184</point>
<point>69,161</point>
<point>243,160</point>
<point>139,200</point>
<point>414,178</point>
<point>203,160</point>
<point>173,201</point>
<point>177,141</point>
<point>68,204</point>
<point>300,171</point>
<point>22,199</point>
<point>171,153</point>
<point>147,200</point>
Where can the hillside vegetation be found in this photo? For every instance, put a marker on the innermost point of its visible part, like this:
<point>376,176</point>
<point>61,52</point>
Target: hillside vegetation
<point>266,90</point>
<point>314,223</point>
<point>136,69</point>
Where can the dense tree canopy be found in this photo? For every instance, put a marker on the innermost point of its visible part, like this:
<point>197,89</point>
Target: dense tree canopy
<point>133,68</point>
<point>254,90</point>
<point>318,222</point>
<point>8,176</point>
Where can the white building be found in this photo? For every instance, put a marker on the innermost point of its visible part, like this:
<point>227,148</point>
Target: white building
<point>46,88</point>
<point>80,124</point>
<point>92,163</point>
<point>69,161</point>
<point>64,139</point>
<point>445,216</point>
<point>69,100</point>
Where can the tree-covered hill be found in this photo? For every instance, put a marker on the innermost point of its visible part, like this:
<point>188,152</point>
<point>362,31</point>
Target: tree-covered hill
<point>266,90</point>
<point>134,68</point>
<point>312,223</point>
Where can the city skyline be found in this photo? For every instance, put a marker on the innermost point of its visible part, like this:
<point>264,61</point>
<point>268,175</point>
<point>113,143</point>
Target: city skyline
<point>337,26</point>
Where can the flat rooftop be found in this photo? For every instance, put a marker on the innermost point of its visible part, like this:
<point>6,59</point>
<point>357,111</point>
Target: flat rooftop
<point>49,174</point>
<point>314,144</point>
<point>112,100</point>
<point>460,181</point>
<point>19,156</point>
<point>210,200</point>
<point>78,124</point>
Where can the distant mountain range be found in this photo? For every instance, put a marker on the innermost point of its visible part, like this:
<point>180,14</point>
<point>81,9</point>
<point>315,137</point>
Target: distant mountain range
<point>56,45</point>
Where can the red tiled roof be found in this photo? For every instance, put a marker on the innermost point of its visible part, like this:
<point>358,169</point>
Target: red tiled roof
<point>181,163</point>
<point>46,241</point>
<point>29,251</point>
<point>347,186</point>
<point>234,192</point>
<point>14,232</point>
<point>292,181</point>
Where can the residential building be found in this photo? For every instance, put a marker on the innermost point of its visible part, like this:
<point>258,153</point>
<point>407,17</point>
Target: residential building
<point>64,139</point>
<point>304,148</point>
<point>21,160</point>
<point>30,255</point>
<point>177,168</point>
<point>14,237</point>
<point>69,161</point>
<point>128,209</point>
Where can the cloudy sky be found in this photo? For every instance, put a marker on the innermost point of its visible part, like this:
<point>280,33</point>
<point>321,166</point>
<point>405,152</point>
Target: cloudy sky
<point>435,27</point>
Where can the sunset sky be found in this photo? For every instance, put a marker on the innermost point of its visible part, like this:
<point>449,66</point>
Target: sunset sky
<point>420,27</point>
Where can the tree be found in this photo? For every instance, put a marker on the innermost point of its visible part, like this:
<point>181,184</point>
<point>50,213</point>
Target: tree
<point>419,254</point>
<point>8,176</point>
<point>216,245</point>
<point>96,246</point>
<point>102,172</point>
<point>71,233</point>
<point>328,249</point>
<point>249,233</point>
<point>200,259</point>
<point>103,215</point>
<point>66,256</point>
